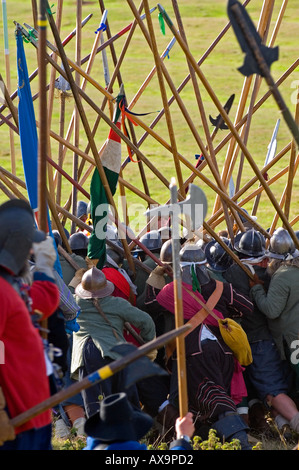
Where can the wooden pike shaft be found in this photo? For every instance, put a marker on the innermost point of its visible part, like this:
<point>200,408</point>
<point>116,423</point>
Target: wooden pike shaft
<point>105,118</point>
<point>43,138</point>
<point>183,109</point>
<point>232,150</point>
<point>291,165</point>
<point>233,130</point>
<point>213,160</point>
<point>263,29</point>
<point>117,73</point>
<point>185,81</point>
<point>159,64</point>
<point>85,123</point>
<point>249,184</point>
<point>178,305</point>
<point>83,86</point>
<point>97,376</point>
<point>34,74</point>
<point>266,73</point>
<point>57,222</point>
<point>203,177</point>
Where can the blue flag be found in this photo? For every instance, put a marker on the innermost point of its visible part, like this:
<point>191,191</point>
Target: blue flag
<point>28,134</point>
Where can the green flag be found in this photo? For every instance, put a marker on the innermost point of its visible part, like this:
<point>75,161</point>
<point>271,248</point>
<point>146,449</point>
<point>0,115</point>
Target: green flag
<point>99,205</point>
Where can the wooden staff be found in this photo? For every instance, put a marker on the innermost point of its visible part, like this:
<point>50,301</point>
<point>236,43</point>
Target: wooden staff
<point>291,165</point>
<point>130,106</point>
<point>120,82</point>
<point>43,138</point>
<point>182,107</point>
<point>232,128</point>
<point>64,42</point>
<point>204,122</point>
<point>251,182</point>
<point>265,72</point>
<point>283,200</point>
<point>9,103</point>
<point>62,97</point>
<point>103,116</point>
<point>186,80</point>
<point>12,187</point>
<point>255,193</point>
<point>178,305</point>
<point>89,136</point>
<point>164,98</point>
<point>263,29</point>
<point>203,177</point>
<point>258,105</point>
<point>34,13</point>
<point>7,69</point>
<point>58,223</point>
<point>71,63</point>
<point>51,101</point>
<point>97,376</point>
<point>231,154</point>
<point>83,87</point>
<point>76,112</point>
<point>117,64</point>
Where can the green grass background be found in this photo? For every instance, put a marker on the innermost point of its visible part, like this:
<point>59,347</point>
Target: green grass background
<point>203,21</point>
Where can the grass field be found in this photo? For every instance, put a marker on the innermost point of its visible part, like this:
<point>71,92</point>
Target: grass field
<point>203,22</point>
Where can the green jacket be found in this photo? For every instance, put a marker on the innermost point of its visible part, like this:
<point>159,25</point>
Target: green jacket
<point>281,305</point>
<point>68,272</point>
<point>92,324</point>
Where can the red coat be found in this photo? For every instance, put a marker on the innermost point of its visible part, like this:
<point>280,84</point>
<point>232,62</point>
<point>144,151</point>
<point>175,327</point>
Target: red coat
<point>23,375</point>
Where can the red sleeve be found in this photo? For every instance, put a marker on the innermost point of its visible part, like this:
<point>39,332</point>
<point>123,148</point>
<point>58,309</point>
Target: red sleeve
<point>45,297</point>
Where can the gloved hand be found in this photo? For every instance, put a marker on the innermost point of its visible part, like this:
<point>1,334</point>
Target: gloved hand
<point>45,256</point>
<point>256,280</point>
<point>156,278</point>
<point>77,278</point>
<point>72,326</point>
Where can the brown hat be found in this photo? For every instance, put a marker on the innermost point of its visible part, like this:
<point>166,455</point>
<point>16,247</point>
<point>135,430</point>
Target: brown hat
<point>94,285</point>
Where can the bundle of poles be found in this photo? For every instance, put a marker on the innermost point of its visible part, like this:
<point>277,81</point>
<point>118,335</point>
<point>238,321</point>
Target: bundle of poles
<point>56,71</point>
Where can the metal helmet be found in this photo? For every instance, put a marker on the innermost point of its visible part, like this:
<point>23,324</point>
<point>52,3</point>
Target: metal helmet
<point>192,255</point>
<point>111,232</point>
<point>94,285</point>
<point>151,240</point>
<point>17,234</point>
<point>166,252</point>
<point>81,209</point>
<point>250,243</point>
<point>217,257</point>
<point>78,241</point>
<point>282,245</point>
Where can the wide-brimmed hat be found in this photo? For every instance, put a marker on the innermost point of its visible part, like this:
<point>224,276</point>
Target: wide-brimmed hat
<point>94,285</point>
<point>117,420</point>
